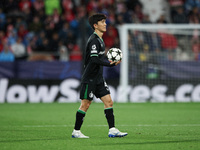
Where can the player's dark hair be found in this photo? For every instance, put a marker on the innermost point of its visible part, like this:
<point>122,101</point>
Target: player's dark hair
<point>95,18</point>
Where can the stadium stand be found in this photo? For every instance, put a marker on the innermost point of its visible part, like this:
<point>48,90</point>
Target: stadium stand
<point>46,26</point>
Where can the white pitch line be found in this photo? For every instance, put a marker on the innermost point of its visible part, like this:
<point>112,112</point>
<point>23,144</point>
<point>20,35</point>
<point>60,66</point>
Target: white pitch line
<point>105,125</point>
<point>139,125</point>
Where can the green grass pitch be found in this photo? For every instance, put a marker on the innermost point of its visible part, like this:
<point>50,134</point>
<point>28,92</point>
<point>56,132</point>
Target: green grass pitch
<point>150,126</point>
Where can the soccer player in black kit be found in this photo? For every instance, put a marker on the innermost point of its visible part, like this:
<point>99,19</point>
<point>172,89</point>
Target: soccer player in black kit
<point>92,82</point>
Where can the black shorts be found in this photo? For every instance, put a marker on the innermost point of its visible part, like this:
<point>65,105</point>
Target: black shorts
<point>88,90</point>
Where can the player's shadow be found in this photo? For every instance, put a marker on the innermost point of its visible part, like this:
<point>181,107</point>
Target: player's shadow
<point>150,142</point>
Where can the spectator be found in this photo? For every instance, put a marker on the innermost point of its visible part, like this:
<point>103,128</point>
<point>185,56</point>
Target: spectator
<point>139,42</point>
<point>71,38</point>
<point>10,6</point>
<point>38,5</point>
<point>116,42</point>
<point>67,5</point>
<point>27,40</point>
<point>2,40</point>
<point>22,31</point>
<point>111,16</point>
<point>125,14</point>
<point>24,5</point>
<point>174,4</point>
<point>63,51</point>
<point>168,41</point>
<point>196,49</point>
<point>55,16</point>
<point>120,19</point>
<point>106,3</point>
<point>180,16</point>
<point>49,26</point>
<point>92,5</point>
<point>194,16</point>
<point>45,46</point>
<point>162,20</point>
<point>11,35</point>
<point>195,44</point>
<point>61,22</point>
<point>41,15</point>
<point>154,42</point>
<point>50,5</point>
<point>66,18</point>
<point>2,19</point>
<point>6,54</point>
<point>64,31</point>
<point>190,4</point>
<point>18,49</point>
<point>41,42</point>
<point>146,19</point>
<point>69,16</point>
<point>109,36</point>
<point>36,25</point>
<point>28,14</point>
<point>132,3</point>
<point>138,12</point>
<point>53,43</point>
<point>75,54</point>
<point>20,21</point>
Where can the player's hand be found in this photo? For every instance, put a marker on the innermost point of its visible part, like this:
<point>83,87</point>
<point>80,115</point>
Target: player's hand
<point>116,63</point>
<point>112,62</point>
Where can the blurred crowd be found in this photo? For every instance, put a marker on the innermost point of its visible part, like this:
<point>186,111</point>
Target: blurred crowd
<point>58,29</point>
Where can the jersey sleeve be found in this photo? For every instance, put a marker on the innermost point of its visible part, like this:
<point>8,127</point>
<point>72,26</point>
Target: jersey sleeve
<point>98,61</point>
<point>94,48</point>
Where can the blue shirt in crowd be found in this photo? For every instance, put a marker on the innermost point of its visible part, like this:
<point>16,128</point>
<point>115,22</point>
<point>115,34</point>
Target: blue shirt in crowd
<point>7,56</point>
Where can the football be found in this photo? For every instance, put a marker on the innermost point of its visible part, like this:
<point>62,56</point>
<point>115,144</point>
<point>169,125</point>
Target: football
<point>114,54</point>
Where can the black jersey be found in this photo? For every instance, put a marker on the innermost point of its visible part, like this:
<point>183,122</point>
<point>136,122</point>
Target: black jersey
<point>94,56</point>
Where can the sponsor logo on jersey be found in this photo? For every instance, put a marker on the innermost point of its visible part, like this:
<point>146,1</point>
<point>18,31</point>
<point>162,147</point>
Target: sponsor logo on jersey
<point>93,51</point>
<point>101,53</point>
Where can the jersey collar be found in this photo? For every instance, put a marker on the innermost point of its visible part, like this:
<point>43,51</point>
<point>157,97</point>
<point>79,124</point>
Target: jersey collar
<point>98,36</point>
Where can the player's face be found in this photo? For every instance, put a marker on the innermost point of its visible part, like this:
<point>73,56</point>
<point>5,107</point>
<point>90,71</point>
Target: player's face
<point>101,25</point>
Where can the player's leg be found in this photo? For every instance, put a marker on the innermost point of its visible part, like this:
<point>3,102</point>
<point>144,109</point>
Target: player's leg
<point>102,91</point>
<point>85,95</point>
<point>80,114</point>
<point>108,110</point>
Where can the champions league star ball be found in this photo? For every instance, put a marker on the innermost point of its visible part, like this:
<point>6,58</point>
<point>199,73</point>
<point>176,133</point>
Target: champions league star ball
<point>114,54</point>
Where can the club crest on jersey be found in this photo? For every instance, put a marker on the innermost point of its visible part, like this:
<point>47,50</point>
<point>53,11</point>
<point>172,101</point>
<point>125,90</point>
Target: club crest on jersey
<point>94,47</point>
<point>91,95</point>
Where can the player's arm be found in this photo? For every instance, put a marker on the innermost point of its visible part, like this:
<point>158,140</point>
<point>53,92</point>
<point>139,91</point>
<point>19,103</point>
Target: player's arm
<point>96,60</point>
<point>94,47</point>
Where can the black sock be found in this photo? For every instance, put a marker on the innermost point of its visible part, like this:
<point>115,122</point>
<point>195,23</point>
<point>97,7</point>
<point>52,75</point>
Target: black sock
<point>110,117</point>
<point>79,119</point>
